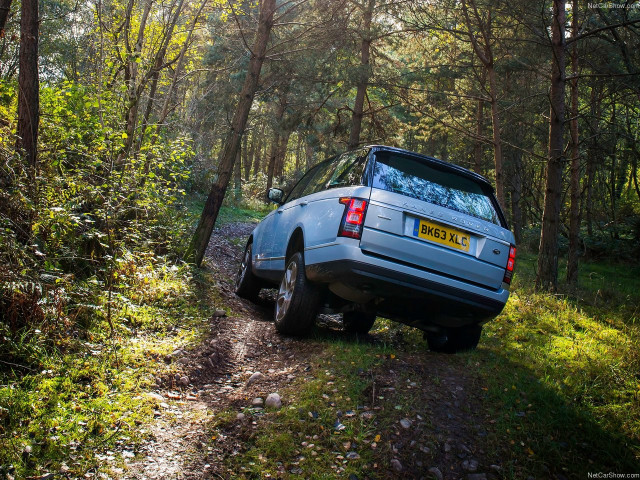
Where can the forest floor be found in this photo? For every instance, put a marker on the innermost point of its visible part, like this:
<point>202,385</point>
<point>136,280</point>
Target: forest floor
<point>181,387</point>
<point>413,414</point>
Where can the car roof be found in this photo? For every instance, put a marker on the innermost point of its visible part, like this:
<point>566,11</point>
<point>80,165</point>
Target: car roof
<point>436,162</point>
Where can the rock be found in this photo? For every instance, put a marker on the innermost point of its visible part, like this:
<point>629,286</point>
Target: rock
<point>219,313</point>
<point>256,377</point>
<point>366,415</point>
<point>495,468</point>
<point>257,402</point>
<point>155,396</point>
<point>183,361</point>
<point>405,423</point>
<point>396,465</point>
<point>352,455</point>
<point>446,448</point>
<point>240,416</point>
<point>435,471</point>
<point>184,381</point>
<point>477,476</point>
<point>470,465</point>
<point>273,401</point>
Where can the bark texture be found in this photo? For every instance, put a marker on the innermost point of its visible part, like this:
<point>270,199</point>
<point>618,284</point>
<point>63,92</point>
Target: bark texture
<point>363,78</point>
<point>547,276</point>
<point>574,215</point>
<point>29,84</point>
<point>227,157</point>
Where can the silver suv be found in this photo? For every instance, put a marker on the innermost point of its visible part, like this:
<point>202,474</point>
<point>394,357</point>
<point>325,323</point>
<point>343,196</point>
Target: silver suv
<point>383,231</point>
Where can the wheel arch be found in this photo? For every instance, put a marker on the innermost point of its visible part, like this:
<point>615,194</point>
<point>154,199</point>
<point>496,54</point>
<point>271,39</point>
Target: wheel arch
<point>296,243</point>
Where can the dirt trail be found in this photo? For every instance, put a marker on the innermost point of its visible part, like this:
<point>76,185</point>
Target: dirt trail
<point>240,345</point>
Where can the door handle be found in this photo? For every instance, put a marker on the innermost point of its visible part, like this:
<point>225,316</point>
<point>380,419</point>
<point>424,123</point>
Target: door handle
<point>280,210</point>
<point>304,204</point>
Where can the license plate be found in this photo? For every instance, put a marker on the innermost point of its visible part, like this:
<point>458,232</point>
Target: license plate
<point>448,236</point>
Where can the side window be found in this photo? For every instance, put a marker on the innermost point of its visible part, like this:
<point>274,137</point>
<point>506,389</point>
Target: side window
<point>349,169</point>
<point>297,191</point>
<point>320,177</point>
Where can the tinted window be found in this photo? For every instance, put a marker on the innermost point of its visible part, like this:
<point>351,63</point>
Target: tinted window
<point>298,189</point>
<point>413,178</point>
<point>317,181</point>
<point>348,170</point>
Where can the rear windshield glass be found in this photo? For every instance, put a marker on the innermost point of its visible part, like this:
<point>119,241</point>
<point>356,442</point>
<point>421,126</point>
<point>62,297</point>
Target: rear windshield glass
<point>413,178</point>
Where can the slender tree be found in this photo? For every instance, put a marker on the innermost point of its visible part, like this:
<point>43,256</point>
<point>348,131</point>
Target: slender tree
<point>5,8</point>
<point>363,74</point>
<point>29,84</point>
<point>484,51</point>
<point>574,215</point>
<point>227,157</point>
<point>547,276</point>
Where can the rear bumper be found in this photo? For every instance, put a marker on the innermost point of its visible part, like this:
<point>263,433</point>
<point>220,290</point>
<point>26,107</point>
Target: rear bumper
<point>411,294</point>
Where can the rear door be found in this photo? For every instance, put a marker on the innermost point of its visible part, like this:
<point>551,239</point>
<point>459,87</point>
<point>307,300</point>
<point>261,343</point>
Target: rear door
<point>436,219</point>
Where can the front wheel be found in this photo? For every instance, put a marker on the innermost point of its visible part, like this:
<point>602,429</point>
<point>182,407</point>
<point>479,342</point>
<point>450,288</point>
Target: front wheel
<point>298,300</point>
<point>247,284</point>
<point>454,340</point>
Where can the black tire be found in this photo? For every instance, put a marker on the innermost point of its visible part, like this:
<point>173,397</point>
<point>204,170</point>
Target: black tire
<point>454,340</point>
<point>247,284</point>
<point>298,299</point>
<point>358,322</point>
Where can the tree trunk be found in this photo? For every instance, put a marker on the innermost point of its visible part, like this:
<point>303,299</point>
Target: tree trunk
<point>29,84</point>
<point>274,148</point>
<point>363,77</point>
<point>282,153</point>
<point>131,77</point>
<point>547,276</point>
<point>497,142</point>
<point>258,153</point>
<point>227,157</point>
<point>237,177</point>
<point>246,156</point>
<point>477,144</point>
<point>516,195</point>
<point>485,54</point>
<point>594,126</point>
<point>5,8</point>
<point>574,216</point>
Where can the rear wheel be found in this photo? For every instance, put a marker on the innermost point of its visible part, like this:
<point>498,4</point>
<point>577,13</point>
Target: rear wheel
<point>454,340</point>
<point>358,322</point>
<point>298,299</point>
<point>247,284</point>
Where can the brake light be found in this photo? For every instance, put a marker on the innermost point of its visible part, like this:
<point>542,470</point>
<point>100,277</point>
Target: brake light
<point>508,271</point>
<point>353,218</point>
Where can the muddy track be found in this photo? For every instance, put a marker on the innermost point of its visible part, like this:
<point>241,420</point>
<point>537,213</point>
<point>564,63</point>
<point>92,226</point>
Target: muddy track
<point>217,374</point>
<point>450,437</point>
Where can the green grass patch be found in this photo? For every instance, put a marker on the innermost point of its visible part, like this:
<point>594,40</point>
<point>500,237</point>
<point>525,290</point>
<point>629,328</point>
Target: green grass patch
<point>562,374</point>
<point>80,406</point>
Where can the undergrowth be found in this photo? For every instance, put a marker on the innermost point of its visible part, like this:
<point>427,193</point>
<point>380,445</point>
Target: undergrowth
<point>84,401</point>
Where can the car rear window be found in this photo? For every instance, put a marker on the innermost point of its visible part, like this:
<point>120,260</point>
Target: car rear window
<point>416,179</point>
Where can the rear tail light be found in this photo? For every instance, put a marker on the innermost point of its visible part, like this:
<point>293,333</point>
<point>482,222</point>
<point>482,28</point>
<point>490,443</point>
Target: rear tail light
<point>353,218</point>
<point>508,271</point>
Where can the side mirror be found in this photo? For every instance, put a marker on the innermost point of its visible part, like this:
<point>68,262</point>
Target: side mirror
<point>276,195</point>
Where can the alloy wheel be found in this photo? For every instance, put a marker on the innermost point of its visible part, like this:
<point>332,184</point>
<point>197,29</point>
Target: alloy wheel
<point>287,287</point>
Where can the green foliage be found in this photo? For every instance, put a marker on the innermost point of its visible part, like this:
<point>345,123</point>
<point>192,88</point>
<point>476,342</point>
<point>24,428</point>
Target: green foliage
<point>80,406</point>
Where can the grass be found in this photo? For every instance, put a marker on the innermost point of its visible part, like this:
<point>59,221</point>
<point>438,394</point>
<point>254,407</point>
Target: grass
<point>557,377</point>
<point>563,374</point>
<point>79,404</point>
